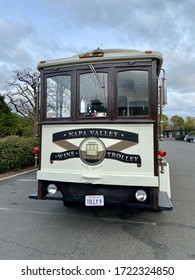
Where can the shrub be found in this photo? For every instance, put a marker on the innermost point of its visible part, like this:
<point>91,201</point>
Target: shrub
<point>192,132</point>
<point>16,152</point>
<point>179,138</point>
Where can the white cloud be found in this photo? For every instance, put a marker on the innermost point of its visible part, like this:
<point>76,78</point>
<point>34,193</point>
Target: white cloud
<point>180,104</point>
<point>13,38</point>
<point>33,30</point>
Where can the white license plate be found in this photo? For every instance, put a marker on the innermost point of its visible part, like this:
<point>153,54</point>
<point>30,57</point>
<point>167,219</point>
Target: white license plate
<point>94,200</point>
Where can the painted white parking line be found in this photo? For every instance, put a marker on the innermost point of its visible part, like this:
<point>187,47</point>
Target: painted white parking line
<point>27,180</point>
<point>18,174</point>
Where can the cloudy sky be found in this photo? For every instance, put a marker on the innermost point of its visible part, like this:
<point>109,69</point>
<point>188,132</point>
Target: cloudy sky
<point>31,30</point>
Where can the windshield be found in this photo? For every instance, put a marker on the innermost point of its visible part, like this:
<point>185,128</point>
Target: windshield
<point>97,91</point>
<point>93,94</point>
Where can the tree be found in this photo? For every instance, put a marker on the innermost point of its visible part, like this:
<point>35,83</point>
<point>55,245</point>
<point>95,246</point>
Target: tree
<point>12,123</point>
<point>165,121</point>
<point>190,122</point>
<point>4,108</point>
<point>189,125</point>
<point>6,120</point>
<point>177,121</point>
<point>23,94</point>
<point>22,126</point>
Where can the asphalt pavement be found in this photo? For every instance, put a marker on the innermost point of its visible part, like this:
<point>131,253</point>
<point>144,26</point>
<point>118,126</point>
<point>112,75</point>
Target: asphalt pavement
<point>34,229</point>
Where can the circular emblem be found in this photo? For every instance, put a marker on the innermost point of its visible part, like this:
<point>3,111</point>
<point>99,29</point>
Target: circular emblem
<point>92,151</point>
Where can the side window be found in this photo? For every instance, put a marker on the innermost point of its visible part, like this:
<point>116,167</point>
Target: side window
<point>93,94</point>
<point>133,92</point>
<point>58,97</point>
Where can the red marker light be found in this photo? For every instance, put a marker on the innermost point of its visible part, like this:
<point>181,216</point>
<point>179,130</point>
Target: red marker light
<point>35,150</point>
<point>162,153</point>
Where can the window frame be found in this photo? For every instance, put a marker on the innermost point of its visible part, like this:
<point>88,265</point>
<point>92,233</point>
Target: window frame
<point>47,76</point>
<point>112,70</point>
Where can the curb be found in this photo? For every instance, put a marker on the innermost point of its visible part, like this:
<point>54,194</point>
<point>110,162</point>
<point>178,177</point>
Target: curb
<point>18,174</point>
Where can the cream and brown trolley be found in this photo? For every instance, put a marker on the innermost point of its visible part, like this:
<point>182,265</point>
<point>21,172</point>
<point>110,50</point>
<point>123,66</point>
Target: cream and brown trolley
<point>100,126</point>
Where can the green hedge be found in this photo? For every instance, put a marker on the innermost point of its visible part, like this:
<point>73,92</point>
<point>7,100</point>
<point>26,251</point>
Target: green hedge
<point>180,138</point>
<point>16,153</point>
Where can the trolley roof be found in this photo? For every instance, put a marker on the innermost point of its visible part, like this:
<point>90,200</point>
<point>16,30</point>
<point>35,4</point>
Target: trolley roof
<point>108,55</point>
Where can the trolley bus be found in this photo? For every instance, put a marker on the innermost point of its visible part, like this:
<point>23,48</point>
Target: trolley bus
<point>100,127</point>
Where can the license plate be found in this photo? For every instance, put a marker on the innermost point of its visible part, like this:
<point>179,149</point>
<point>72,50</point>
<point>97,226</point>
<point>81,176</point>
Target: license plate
<point>94,200</point>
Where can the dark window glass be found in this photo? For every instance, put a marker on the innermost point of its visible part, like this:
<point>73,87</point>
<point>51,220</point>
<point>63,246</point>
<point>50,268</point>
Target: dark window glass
<point>133,97</point>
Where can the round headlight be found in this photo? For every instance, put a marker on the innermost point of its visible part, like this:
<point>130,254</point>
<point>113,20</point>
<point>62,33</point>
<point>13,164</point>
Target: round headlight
<point>52,189</point>
<point>141,195</point>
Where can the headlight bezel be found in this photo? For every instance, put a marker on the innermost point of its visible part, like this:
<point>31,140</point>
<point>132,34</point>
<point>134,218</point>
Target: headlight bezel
<point>141,195</point>
<point>52,189</point>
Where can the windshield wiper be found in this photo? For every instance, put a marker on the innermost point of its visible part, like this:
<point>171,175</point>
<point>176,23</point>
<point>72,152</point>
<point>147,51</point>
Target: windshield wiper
<point>96,75</point>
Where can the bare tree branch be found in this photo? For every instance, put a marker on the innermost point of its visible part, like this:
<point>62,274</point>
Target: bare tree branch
<point>22,92</point>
